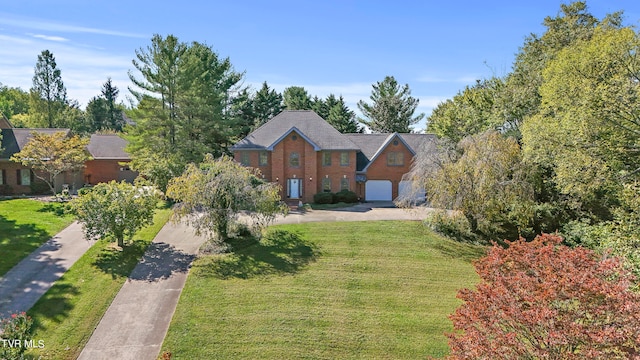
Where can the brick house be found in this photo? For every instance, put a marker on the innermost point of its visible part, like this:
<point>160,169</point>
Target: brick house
<point>107,152</point>
<point>305,155</point>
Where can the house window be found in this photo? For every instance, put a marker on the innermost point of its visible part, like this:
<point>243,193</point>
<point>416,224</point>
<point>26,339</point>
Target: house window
<point>262,161</point>
<point>395,159</point>
<point>294,159</point>
<point>344,184</point>
<point>344,158</point>
<point>24,177</point>
<point>3,178</point>
<point>326,158</point>
<point>326,185</point>
<point>244,158</point>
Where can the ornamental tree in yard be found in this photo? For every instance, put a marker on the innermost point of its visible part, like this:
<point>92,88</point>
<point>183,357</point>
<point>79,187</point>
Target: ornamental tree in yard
<point>212,195</point>
<point>543,300</point>
<point>52,154</point>
<point>115,209</point>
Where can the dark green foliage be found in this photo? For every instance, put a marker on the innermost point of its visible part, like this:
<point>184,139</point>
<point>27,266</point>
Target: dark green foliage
<point>337,113</point>
<point>452,225</point>
<point>296,98</point>
<point>324,198</point>
<point>392,107</point>
<point>346,196</point>
<point>48,94</point>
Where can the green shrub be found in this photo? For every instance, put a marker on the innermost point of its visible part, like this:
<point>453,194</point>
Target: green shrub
<point>324,198</point>
<point>346,196</point>
<point>5,189</point>
<point>452,225</point>
<point>39,187</point>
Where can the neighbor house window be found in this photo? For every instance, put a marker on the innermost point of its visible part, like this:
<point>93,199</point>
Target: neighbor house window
<point>294,159</point>
<point>244,158</point>
<point>326,158</point>
<point>262,161</point>
<point>344,184</point>
<point>24,176</point>
<point>395,159</point>
<point>326,185</point>
<point>344,158</point>
<point>3,177</point>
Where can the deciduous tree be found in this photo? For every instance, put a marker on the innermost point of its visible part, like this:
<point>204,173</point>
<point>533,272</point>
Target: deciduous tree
<point>544,300</point>
<point>392,107</point>
<point>211,195</point>
<point>52,154</point>
<point>116,210</point>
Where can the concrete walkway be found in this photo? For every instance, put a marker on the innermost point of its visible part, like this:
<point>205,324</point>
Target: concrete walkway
<point>26,282</point>
<point>137,321</point>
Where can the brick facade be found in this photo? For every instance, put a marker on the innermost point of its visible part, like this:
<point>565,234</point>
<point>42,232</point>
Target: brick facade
<point>101,171</point>
<point>380,170</point>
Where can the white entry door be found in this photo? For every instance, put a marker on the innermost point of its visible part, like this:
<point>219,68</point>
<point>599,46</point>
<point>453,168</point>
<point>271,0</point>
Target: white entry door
<point>294,188</point>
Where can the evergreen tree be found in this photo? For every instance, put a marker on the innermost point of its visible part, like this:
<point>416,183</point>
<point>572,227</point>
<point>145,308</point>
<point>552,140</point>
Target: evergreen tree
<point>341,117</point>
<point>392,108</point>
<point>115,119</point>
<point>267,103</point>
<point>48,94</point>
<point>296,98</point>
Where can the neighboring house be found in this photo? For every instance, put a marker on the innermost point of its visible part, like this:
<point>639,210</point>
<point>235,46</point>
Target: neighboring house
<point>107,151</point>
<point>109,160</point>
<point>305,155</point>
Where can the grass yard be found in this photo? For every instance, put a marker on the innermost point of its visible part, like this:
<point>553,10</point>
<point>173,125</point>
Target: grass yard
<point>67,314</point>
<point>25,224</point>
<point>363,290</point>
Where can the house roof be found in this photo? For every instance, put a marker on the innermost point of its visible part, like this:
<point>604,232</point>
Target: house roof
<point>371,145</point>
<point>307,123</point>
<point>14,140</point>
<point>110,146</point>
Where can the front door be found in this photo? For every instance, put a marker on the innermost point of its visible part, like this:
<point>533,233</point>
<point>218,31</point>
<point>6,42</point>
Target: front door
<point>294,188</point>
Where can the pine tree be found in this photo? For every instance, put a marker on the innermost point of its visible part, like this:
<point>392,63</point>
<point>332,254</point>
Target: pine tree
<point>48,94</point>
<point>392,108</point>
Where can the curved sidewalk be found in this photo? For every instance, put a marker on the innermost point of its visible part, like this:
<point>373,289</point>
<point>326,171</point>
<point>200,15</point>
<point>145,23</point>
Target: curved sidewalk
<point>25,283</point>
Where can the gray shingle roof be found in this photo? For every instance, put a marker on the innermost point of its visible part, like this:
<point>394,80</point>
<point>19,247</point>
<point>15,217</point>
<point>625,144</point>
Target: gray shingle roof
<point>13,140</point>
<point>306,122</point>
<point>372,144</point>
<point>108,146</point>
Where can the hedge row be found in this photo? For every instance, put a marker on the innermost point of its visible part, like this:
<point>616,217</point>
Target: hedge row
<point>345,196</point>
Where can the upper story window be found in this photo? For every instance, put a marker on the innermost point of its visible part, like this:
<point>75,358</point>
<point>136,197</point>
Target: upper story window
<point>395,158</point>
<point>294,159</point>
<point>263,159</point>
<point>326,158</point>
<point>344,158</point>
<point>244,158</point>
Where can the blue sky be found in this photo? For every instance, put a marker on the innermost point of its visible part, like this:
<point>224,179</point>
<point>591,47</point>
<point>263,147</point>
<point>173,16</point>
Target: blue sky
<point>340,47</point>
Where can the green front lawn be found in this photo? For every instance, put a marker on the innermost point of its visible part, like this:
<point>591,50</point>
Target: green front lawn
<point>365,290</point>
<point>67,314</point>
<point>25,224</point>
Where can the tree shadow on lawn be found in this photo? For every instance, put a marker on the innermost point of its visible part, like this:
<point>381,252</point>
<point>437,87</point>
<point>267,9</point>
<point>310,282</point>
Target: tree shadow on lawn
<point>279,252</point>
<point>58,209</point>
<point>58,305</point>
<point>18,241</point>
<point>160,261</point>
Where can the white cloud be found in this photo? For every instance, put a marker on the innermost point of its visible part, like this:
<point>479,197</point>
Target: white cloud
<point>49,38</point>
<point>46,25</point>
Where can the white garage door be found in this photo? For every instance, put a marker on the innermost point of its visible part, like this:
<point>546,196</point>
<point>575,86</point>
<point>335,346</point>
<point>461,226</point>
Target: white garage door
<point>405,190</point>
<point>378,190</point>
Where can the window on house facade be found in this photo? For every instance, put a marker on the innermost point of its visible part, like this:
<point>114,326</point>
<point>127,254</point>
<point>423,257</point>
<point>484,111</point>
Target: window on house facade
<point>326,185</point>
<point>294,159</point>
<point>326,158</point>
<point>262,161</point>
<point>3,177</point>
<point>24,176</point>
<point>395,159</point>
<point>344,184</point>
<point>244,158</point>
<point>344,158</point>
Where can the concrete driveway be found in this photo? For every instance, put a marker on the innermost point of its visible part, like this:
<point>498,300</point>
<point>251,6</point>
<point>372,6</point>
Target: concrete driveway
<point>360,212</point>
